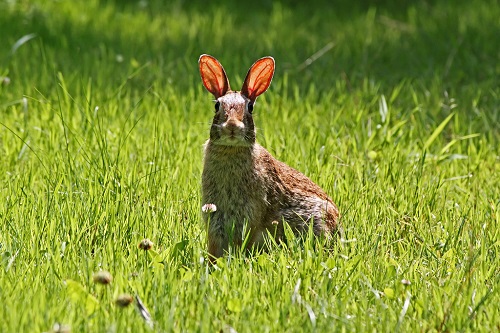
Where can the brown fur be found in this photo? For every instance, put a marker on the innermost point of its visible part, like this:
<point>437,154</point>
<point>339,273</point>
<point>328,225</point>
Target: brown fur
<point>246,183</point>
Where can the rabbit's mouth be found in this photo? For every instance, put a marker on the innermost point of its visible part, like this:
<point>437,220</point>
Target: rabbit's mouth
<point>232,133</point>
<point>231,136</point>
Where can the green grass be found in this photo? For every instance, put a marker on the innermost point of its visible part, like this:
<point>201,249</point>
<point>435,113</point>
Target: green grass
<point>101,128</point>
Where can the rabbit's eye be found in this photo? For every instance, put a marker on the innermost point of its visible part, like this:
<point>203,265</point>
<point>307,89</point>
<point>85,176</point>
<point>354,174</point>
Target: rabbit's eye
<point>250,107</point>
<point>217,106</point>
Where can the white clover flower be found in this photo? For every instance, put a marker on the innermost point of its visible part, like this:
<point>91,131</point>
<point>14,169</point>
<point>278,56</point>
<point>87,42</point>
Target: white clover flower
<point>209,208</point>
<point>406,282</point>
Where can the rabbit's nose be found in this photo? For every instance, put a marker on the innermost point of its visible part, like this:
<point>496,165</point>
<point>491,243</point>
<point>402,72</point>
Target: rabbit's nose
<point>233,125</point>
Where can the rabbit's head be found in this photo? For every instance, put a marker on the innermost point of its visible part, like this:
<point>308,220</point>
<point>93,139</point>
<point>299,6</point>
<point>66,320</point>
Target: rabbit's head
<point>233,123</point>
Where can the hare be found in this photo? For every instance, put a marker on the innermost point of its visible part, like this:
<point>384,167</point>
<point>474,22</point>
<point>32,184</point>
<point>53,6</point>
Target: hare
<point>248,192</point>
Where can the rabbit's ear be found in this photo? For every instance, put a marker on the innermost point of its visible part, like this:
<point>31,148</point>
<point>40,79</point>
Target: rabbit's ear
<point>213,75</point>
<point>258,78</point>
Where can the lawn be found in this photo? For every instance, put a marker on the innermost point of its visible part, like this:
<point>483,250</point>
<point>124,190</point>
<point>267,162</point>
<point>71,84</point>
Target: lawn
<point>393,107</point>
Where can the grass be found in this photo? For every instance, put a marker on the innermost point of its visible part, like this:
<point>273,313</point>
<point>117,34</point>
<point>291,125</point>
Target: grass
<point>104,116</point>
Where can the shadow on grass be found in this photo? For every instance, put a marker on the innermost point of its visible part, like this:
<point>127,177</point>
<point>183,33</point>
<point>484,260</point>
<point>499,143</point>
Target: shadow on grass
<point>386,40</point>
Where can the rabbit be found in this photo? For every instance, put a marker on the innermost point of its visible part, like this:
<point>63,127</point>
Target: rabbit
<point>249,193</point>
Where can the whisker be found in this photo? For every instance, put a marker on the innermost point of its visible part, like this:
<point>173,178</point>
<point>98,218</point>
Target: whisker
<point>259,134</point>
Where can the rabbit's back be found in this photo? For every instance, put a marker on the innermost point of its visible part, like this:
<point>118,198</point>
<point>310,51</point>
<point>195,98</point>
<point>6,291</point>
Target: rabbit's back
<point>295,198</point>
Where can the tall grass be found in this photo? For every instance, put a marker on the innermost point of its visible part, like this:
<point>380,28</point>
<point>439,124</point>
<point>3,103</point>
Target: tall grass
<point>392,108</point>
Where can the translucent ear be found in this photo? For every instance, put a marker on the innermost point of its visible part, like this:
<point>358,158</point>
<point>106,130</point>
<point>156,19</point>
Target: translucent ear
<point>213,76</point>
<point>258,78</point>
